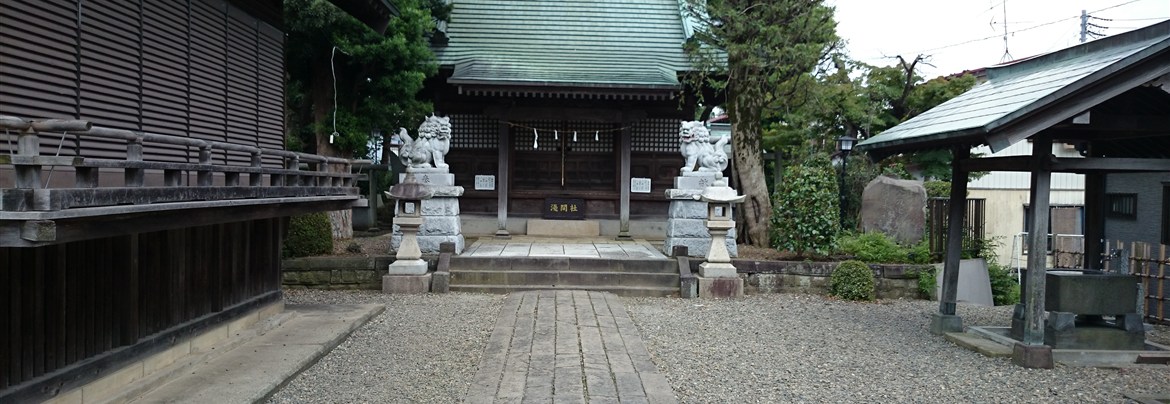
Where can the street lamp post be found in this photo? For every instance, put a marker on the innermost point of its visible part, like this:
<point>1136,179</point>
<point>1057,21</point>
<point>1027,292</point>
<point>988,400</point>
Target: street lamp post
<point>845,146</point>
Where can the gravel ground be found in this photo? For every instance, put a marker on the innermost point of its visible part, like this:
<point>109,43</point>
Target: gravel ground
<point>804,348</point>
<point>763,348</point>
<point>422,349</point>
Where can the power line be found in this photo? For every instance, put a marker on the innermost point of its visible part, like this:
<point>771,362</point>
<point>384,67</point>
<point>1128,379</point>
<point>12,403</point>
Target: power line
<point>1114,6</point>
<point>999,35</point>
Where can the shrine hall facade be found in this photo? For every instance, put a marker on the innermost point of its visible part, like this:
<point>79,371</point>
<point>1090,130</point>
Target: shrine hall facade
<point>557,105</point>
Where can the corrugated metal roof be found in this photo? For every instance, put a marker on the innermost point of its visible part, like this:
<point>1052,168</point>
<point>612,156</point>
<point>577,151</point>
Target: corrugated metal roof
<point>1015,90</point>
<point>581,43</point>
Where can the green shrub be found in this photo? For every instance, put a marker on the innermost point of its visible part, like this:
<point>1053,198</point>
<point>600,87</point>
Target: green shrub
<point>927,279</point>
<point>308,235</point>
<point>852,280</point>
<point>1004,288</point>
<point>877,247</point>
<point>805,215</point>
<point>872,247</point>
<point>937,189</point>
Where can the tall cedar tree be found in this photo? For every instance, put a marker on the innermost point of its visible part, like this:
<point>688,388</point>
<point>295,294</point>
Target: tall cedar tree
<point>376,75</point>
<point>769,47</point>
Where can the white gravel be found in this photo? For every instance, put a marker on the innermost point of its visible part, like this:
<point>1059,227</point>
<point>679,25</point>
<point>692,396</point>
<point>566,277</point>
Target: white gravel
<point>422,349</point>
<point>807,348</point>
<point>762,348</point>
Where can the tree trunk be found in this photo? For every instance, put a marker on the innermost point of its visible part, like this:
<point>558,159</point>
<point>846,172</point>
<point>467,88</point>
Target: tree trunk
<point>746,104</point>
<point>322,100</point>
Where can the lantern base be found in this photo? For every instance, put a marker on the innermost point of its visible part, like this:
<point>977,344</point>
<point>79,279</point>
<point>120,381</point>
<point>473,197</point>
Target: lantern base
<point>720,288</point>
<point>717,270</point>
<point>406,284</point>
<point>407,267</point>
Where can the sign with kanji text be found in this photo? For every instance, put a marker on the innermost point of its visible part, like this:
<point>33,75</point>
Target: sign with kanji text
<point>563,208</point>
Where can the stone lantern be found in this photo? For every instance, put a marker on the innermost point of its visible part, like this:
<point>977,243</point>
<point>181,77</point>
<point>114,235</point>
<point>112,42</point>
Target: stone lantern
<point>408,272</point>
<point>717,277</point>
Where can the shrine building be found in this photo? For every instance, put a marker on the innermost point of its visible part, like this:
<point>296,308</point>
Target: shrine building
<point>564,110</point>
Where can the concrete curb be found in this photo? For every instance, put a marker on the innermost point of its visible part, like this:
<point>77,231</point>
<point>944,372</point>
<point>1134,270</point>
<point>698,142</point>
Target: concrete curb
<point>256,369</point>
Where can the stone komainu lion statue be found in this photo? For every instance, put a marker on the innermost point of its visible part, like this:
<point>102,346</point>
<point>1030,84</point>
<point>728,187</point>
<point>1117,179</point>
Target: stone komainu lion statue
<point>432,145</point>
<point>698,151</point>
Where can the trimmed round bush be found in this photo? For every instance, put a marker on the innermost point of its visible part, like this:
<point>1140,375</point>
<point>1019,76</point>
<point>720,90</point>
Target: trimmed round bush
<point>308,235</point>
<point>852,280</point>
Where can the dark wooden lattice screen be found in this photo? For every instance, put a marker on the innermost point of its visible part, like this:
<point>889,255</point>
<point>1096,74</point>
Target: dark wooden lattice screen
<point>654,151</point>
<point>475,144</point>
<point>655,135</point>
<point>474,132</point>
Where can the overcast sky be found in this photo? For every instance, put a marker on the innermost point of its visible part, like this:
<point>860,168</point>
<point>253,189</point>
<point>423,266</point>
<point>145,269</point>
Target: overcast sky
<point>968,34</point>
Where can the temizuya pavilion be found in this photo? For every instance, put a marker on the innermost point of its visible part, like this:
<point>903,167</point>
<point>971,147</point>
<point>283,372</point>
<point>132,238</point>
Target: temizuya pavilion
<point>1108,98</point>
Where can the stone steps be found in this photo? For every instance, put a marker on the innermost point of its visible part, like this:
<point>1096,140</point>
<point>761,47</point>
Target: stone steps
<point>627,291</point>
<point>630,277</point>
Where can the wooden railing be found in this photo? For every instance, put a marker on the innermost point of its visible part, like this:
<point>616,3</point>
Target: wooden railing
<point>31,207</point>
<point>331,177</point>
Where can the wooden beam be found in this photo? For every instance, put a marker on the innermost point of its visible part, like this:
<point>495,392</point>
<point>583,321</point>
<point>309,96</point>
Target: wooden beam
<point>502,180</point>
<point>1123,123</point>
<point>1066,164</point>
<point>624,149</point>
<point>1094,220</point>
<point>1106,164</point>
<point>77,228</point>
<point>1037,243</point>
<point>956,209</point>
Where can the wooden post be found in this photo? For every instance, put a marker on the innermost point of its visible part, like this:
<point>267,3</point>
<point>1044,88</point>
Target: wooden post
<point>947,321</point>
<point>1160,298</point>
<point>624,231</point>
<point>254,179</point>
<point>1094,220</point>
<point>28,143</point>
<point>203,178</point>
<point>1038,241</point>
<point>502,169</point>
<point>134,177</point>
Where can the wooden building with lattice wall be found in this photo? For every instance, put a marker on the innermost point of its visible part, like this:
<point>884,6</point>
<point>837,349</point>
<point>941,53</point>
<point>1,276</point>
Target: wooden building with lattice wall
<point>144,185</point>
<point>564,99</point>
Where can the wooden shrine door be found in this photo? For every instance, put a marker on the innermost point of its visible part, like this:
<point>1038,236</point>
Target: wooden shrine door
<point>565,157</point>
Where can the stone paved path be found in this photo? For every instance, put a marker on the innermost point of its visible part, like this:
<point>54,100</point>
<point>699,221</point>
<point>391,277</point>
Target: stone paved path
<point>581,247</point>
<point>567,347</point>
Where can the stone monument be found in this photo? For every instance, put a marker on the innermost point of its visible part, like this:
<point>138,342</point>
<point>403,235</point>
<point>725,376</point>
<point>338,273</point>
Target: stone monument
<point>424,159</point>
<point>686,222</point>
<point>894,207</point>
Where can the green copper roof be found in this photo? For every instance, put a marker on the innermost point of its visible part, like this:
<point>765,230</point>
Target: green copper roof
<point>581,43</point>
<point>1018,91</point>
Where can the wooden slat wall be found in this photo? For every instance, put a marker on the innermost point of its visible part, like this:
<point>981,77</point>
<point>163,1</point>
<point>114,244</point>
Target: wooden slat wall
<point>208,72</point>
<point>38,62</point>
<point>66,303</point>
<point>243,82</point>
<point>270,99</point>
<point>111,72</point>
<point>165,72</point>
<point>198,68</point>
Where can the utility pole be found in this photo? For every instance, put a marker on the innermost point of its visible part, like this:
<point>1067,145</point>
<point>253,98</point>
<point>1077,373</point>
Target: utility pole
<point>1086,25</point>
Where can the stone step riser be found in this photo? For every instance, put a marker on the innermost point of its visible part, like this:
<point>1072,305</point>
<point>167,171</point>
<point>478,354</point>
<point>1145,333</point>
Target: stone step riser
<point>639,292</point>
<point>497,264</point>
<point>563,278</point>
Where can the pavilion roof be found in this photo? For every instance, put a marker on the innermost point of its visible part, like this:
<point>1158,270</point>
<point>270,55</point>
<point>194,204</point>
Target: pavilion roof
<point>1020,99</point>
